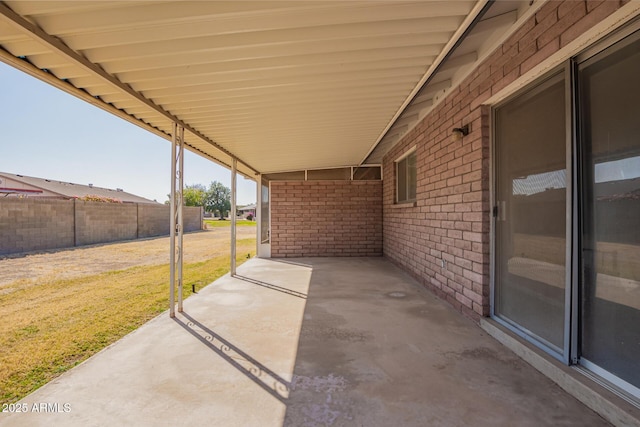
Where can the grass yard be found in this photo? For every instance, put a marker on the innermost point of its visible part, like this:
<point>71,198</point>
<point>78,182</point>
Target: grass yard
<point>227,223</point>
<point>55,324</point>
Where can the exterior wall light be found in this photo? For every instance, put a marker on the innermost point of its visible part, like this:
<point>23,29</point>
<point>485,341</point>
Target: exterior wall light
<point>458,133</point>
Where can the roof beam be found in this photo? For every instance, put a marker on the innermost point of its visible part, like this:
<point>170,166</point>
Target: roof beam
<point>490,24</point>
<point>451,44</point>
<point>60,48</point>
<point>429,91</point>
<point>459,61</point>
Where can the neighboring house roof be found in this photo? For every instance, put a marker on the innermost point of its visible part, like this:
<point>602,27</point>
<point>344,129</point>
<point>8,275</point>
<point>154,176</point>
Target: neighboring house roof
<point>71,190</point>
<point>251,207</point>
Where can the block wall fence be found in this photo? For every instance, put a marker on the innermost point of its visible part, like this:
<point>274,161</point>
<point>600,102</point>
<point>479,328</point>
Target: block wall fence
<point>326,218</point>
<point>450,222</point>
<point>38,224</point>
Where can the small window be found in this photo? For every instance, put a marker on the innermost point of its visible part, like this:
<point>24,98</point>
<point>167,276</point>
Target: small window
<point>406,177</point>
<point>367,173</point>
<point>341,174</point>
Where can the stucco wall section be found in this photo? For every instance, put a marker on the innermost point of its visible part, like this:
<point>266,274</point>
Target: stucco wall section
<point>444,240</point>
<point>326,218</point>
<point>11,183</point>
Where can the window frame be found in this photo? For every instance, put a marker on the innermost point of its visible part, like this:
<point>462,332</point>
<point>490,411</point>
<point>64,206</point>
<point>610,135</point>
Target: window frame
<point>404,158</point>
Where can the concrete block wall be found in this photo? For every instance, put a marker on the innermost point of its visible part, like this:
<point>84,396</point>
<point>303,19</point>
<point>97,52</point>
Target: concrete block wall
<point>98,222</point>
<point>191,218</point>
<point>443,240</point>
<point>35,224</point>
<point>326,218</point>
<point>153,220</point>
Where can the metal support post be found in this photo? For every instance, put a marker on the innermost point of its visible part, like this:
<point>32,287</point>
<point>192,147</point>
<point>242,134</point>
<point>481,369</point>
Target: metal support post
<point>180,204</point>
<point>234,167</point>
<point>175,230</point>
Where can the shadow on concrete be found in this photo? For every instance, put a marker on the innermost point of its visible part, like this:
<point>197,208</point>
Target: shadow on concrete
<point>271,286</point>
<point>268,380</point>
<point>290,262</point>
<point>377,349</point>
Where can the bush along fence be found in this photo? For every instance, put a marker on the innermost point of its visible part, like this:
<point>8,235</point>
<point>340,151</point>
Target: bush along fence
<point>38,224</point>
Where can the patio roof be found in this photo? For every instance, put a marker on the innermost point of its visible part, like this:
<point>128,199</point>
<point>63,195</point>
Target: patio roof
<point>278,85</point>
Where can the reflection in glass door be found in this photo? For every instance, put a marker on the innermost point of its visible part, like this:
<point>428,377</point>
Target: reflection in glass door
<point>538,235</point>
<point>610,116</point>
<point>530,223</point>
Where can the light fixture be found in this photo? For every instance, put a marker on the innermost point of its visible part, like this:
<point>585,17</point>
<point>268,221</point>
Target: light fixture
<point>458,133</point>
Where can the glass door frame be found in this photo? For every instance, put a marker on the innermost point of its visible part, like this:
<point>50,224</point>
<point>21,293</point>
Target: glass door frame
<point>630,32</point>
<point>263,246</point>
<point>574,213</point>
<point>567,70</point>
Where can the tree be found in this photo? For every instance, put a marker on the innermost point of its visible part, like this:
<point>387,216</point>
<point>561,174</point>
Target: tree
<point>217,199</point>
<point>194,195</point>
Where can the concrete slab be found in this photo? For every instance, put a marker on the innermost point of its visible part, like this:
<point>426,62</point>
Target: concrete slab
<point>313,342</point>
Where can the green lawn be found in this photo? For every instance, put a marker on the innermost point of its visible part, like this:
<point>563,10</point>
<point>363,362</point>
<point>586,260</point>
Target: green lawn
<point>50,328</point>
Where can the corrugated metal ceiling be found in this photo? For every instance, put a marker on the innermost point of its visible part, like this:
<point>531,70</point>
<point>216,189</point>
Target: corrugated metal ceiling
<point>280,85</point>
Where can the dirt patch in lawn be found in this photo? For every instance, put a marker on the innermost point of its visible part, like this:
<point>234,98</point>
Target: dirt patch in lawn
<point>31,268</point>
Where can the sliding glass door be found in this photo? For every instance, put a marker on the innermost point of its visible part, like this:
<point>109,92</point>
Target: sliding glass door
<point>566,264</point>
<point>610,141</point>
<point>530,213</point>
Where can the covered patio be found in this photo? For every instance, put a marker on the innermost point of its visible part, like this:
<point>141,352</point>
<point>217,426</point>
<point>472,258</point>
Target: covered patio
<point>307,342</point>
<point>379,132</point>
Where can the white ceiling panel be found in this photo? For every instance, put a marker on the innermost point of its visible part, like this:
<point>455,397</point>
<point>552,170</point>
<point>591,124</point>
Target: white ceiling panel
<point>279,85</point>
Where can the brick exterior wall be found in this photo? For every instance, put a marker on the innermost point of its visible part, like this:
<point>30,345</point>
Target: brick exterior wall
<point>326,218</point>
<point>33,224</point>
<point>450,222</point>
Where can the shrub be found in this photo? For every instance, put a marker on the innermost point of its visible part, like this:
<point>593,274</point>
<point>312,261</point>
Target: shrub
<point>94,198</point>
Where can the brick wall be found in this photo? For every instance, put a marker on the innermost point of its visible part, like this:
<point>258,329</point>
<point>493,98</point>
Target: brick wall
<point>326,218</point>
<point>38,224</point>
<point>450,222</point>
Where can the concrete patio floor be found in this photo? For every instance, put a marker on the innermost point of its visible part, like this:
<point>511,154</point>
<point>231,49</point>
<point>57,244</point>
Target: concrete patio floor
<point>307,342</point>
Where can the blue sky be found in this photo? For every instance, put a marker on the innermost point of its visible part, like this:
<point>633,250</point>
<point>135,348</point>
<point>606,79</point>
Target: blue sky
<point>47,133</point>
